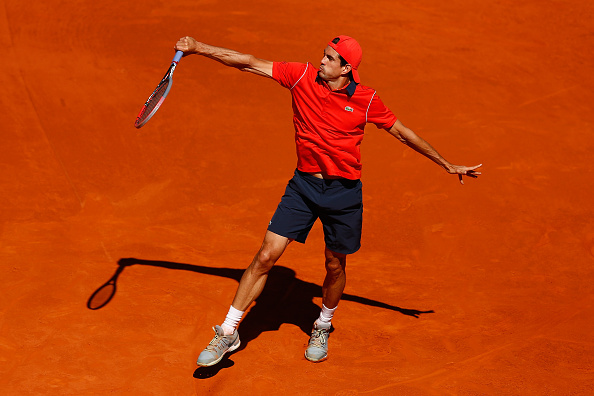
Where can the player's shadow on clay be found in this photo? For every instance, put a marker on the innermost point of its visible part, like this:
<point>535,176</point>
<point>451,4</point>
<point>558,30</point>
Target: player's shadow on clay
<point>285,299</point>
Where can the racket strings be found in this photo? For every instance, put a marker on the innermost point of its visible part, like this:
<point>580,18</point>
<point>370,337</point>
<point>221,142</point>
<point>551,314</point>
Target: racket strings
<point>158,96</point>
<point>153,101</point>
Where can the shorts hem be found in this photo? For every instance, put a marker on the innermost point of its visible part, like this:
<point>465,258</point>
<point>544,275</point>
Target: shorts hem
<point>293,238</point>
<point>344,251</point>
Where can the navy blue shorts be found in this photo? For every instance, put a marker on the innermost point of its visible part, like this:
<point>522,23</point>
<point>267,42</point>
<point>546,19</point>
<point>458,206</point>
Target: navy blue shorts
<point>338,203</point>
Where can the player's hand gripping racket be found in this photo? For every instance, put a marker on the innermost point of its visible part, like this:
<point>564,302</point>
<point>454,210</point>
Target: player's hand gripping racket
<point>159,94</point>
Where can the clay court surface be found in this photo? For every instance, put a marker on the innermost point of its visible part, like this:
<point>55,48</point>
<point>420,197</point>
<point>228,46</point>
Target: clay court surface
<point>481,289</point>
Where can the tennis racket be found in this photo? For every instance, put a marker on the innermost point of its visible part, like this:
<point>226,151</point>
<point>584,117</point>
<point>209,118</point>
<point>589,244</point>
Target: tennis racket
<point>159,94</point>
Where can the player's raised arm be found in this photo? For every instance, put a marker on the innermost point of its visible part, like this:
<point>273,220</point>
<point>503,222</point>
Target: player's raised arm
<point>417,143</point>
<point>243,62</point>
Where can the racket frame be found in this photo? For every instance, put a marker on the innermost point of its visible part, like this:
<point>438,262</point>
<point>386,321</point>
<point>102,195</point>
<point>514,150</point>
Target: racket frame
<point>167,79</point>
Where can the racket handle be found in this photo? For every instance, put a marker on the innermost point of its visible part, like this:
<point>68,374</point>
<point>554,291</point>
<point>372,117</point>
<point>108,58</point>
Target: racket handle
<point>178,56</point>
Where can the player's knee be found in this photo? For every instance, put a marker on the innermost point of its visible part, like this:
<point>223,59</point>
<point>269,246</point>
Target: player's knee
<point>265,259</point>
<point>335,266</point>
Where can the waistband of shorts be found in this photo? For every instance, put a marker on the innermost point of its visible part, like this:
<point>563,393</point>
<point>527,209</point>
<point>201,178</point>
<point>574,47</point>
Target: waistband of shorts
<point>348,183</point>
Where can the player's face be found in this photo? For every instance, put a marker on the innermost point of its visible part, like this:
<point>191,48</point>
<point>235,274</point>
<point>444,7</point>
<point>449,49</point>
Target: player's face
<point>330,68</point>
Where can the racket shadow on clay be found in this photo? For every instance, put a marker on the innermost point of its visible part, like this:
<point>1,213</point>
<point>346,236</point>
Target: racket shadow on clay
<point>103,295</point>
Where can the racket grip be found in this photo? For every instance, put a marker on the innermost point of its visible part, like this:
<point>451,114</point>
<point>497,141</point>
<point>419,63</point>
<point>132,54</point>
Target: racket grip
<point>178,56</point>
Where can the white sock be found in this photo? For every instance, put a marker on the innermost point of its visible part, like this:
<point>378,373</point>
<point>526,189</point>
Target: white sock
<point>232,320</point>
<point>325,318</point>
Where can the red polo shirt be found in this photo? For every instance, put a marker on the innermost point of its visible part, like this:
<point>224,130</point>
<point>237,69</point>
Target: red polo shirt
<point>329,125</point>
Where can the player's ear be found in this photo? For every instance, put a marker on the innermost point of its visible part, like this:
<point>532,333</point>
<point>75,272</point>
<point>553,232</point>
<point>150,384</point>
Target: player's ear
<point>346,69</point>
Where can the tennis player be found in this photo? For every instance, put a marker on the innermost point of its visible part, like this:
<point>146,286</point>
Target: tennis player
<point>330,110</point>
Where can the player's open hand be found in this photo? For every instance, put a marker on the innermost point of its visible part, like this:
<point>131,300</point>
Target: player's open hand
<point>186,44</point>
<point>469,171</point>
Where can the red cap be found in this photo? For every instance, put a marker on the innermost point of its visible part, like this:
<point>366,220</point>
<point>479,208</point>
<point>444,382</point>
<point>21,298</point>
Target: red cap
<point>350,50</point>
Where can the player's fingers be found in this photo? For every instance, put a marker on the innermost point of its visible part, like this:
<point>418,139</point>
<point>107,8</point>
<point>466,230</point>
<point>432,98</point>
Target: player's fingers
<point>460,177</point>
<point>182,43</point>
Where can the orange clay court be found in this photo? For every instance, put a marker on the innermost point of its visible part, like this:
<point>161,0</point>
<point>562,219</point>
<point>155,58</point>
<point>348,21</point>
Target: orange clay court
<point>481,289</point>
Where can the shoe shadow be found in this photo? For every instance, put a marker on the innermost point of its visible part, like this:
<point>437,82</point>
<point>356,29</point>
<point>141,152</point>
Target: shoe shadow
<point>209,372</point>
<point>285,299</point>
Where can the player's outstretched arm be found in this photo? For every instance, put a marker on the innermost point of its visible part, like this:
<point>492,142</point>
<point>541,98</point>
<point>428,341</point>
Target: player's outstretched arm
<point>417,143</point>
<point>243,62</point>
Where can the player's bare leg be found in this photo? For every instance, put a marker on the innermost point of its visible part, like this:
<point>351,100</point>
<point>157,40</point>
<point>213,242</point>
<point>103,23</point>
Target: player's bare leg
<point>254,278</point>
<point>252,283</point>
<point>335,280</point>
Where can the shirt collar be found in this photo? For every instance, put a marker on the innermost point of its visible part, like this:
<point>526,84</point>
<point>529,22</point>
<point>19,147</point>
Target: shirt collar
<point>351,88</point>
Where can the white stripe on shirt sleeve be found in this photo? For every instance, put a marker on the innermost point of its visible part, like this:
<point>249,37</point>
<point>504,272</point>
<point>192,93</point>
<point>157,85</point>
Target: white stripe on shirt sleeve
<point>369,105</point>
<point>306,66</point>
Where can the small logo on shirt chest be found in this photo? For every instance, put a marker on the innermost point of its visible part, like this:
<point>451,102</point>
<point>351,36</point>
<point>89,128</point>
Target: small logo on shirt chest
<point>349,108</point>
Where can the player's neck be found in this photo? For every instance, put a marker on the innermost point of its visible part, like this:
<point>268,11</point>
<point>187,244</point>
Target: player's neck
<point>339,83</point>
